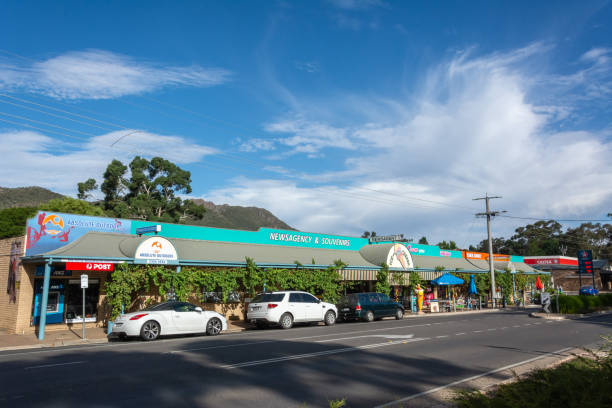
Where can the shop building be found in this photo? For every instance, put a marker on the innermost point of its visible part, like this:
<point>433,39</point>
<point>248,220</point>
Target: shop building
<point>564,272</point>
<point>42,270</point>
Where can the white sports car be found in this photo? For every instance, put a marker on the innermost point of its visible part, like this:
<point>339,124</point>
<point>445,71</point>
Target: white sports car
<point>169,318</point>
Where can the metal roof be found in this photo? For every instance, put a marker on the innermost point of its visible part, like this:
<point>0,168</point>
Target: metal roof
<point>103,245</point>
<point>449,264</point>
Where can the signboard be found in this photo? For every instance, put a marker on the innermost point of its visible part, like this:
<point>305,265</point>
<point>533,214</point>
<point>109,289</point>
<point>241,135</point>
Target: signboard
<point>156,250</point>
<point>84,281</point>
<point>399,257</point>
<point>383,238</point>
<point>585,261</point>
<point>550,260</point>
<point>49,230</point>
<point>146,230</point>
<point>89,266</point>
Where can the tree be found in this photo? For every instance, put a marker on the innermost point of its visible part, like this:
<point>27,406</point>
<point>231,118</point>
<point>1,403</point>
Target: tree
<point>539,238</point>
<point>596,237</point>
<point>451,245</point>
<point>149,193</point>
<point>382,280</point>
<point>13,221</point>
<point>85,187</point>
<point>423,241</point>
<point>368,234</point>
<point>72,206</point>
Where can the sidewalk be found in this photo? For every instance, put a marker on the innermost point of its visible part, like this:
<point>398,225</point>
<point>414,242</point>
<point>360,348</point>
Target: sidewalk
<point>98,335</point>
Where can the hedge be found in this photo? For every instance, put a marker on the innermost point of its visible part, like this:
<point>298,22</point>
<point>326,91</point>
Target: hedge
<point>581,304</point>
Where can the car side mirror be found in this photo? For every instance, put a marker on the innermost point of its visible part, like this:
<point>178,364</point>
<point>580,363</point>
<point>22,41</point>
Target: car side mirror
<point>318,300</point>
<point>198,309</point>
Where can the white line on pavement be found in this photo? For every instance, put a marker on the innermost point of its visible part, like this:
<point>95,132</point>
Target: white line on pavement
<point>459,334</point>
<point>431,391</point>
<point>441,337</point>
<point>54,365</point>
<point>387,336</point>
<point>478,331</point>
<point>317,354</point>
<point>296,338</point>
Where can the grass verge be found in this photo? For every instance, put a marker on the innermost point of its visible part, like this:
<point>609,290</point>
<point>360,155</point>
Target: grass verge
<point>583,382</point>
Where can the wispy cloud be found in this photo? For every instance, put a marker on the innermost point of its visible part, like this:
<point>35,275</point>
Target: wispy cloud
<point>310,137</point>
<point>357,4</point>
<point>477,124</point>
<point>308,66</point>
<point>98,74</point>
<point>32,158</point>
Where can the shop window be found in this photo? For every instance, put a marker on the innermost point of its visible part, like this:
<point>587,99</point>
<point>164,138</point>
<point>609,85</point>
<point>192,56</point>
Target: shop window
<point>74,301</point>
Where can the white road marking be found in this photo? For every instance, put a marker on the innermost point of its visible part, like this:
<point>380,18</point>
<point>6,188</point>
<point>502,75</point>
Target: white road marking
<point>54,365</point>
<point>386,336</point>
<point>491,329</point>
<point>478,331</point>
<point>294,338</point>
<point>317,354</point>
<point>441,337</point>
<point>454,383</point>
<point>518,325</point>
<point>459,334</point>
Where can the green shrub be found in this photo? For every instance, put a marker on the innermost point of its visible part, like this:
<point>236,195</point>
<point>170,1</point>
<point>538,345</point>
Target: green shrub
<point>581,304</point>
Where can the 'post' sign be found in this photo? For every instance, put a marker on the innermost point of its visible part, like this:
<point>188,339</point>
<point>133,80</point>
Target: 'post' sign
<point>89,266</point>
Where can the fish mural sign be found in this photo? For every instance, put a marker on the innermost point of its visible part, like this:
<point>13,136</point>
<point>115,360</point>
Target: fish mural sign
<point>47,231</point>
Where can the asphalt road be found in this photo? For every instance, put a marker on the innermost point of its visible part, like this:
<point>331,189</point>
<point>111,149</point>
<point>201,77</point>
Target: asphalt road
<point>369,364</point>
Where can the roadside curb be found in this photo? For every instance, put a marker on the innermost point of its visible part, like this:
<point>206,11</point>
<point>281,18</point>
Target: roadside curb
<point>553,316</point>
<point>105,340</point>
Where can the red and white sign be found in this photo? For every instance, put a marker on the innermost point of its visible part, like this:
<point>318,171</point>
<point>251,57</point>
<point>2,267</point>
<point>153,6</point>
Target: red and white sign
<point>89,266</point>
<point>550,260</point>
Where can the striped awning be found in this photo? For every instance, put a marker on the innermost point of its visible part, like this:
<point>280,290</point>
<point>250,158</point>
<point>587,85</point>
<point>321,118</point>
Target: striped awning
<point>429,275</point>
<point>358,274</point>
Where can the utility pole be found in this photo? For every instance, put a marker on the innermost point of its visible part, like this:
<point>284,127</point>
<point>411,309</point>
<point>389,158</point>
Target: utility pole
<point>489,214</point>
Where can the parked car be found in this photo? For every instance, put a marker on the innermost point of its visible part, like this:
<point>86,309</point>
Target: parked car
<point>288,307</point>
<point>369,306</point>
<point>169,318</point>
<point>588,290</point>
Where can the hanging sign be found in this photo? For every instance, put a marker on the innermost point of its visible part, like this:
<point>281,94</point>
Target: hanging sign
<point>84,281</point>
<point>156,250</point>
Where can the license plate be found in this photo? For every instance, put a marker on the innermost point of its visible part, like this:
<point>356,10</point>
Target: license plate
<point>346,309</point>
<point>255,308</point>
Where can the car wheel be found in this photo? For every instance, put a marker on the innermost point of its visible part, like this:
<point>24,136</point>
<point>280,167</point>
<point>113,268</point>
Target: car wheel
<point>214,327</point>
<point>150,330</point>
<point>399,314</point>
<point>286,321</point>
<point>330,318</point>
<point>369,316</point>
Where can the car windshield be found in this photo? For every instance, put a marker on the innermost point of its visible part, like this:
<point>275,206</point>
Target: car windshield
<point>160,306</point>
<point>268,297</point>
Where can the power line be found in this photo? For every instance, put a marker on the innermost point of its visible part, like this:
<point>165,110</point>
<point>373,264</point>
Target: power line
<point>551,219</point>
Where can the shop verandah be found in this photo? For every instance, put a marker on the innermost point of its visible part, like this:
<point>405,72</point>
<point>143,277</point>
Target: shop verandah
<point>54,275</point>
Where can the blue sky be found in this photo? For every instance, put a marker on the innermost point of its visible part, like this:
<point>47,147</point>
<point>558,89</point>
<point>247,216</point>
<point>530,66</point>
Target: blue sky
<point>338,116</point>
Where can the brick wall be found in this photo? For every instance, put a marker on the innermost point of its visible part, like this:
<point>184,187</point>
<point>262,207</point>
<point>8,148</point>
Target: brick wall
<point>10,302</point>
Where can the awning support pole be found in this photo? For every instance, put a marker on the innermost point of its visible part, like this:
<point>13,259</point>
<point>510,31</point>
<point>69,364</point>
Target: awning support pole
<point>43,303</point>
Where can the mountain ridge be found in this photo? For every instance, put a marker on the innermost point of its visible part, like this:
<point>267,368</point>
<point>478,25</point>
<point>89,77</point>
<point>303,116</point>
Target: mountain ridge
<point>219,216</point>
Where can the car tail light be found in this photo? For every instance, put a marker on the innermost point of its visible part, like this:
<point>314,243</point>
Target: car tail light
<point>138,316</point>
<point>358,308</point>
<point>272,305</point>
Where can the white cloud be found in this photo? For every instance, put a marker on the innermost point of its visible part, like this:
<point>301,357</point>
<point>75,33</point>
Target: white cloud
<point>310,137</point>
<point>357,4</point>
<point>31,158</point>
<point>474,129</point>
<point>97,74</point>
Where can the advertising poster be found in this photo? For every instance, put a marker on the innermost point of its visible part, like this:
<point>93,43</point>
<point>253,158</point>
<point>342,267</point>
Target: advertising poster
<point>13,275</point>
<point>48,230</point>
